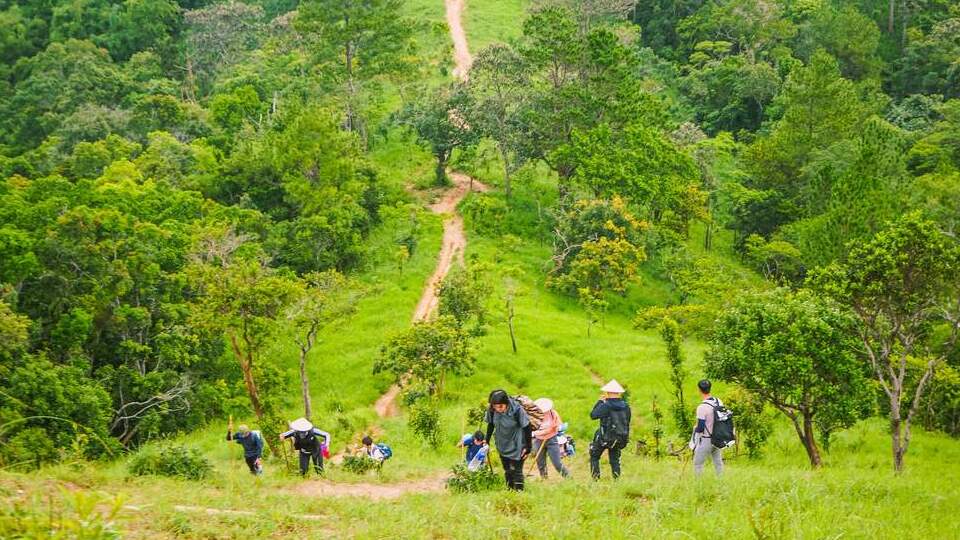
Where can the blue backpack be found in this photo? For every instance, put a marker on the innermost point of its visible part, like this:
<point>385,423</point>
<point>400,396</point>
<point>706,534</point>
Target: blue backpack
<point>387,452</point>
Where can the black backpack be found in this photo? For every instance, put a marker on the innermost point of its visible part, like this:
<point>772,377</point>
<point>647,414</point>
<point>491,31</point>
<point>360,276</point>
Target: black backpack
<point>723,434</point>
<point>615,432</point>
<point>305,440</point>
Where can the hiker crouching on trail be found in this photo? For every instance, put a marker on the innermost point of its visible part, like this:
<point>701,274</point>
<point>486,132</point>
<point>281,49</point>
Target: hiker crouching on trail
<point>252,443</point>
<point>476,450</point>
<point>701,442</point>
<point>545,439</point>
<point>614,415</point>
<point>305,439</point>
<point>512,426</point>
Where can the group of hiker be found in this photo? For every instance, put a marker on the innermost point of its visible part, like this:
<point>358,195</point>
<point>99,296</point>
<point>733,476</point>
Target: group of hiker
<point>520,428</point>
<point>509,420</point>
<point>311,444</point>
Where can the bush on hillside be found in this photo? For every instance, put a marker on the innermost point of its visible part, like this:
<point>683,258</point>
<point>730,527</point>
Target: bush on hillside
<point>466,481</point>
<point>359,464</point>
<point>173,460</point>
<point>425,423</point>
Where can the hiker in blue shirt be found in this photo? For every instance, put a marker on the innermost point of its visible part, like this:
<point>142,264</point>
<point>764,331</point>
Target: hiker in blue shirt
<point>476,446</point>
<point>252,443</point>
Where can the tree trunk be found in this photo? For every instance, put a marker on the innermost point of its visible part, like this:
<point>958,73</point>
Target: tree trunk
<point>896,432</point>
<point>810,442</point>
<point>506,171</point>
<point>892,7</point>
<point>305,384</point>
<point>246,366</point>
<point>513,339</point>
<point>441,171</point>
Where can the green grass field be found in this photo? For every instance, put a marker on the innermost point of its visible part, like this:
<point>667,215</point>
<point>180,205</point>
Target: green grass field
<point>855,495</point>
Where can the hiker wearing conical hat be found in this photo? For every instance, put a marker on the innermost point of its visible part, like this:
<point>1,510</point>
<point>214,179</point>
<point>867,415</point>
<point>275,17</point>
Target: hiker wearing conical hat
<point>614,416</point>
<point>306,439</point>
<point>545,439</point>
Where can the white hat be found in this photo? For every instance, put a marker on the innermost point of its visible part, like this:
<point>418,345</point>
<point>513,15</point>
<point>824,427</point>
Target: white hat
<point>613,387</point>
<point>301,424</point>
<point>544,404</point>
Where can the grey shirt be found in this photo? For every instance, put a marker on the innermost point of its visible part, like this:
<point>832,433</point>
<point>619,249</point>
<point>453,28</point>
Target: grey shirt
<point>508,428</point>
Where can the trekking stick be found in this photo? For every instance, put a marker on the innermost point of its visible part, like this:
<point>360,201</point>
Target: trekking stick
<point>543,444</point>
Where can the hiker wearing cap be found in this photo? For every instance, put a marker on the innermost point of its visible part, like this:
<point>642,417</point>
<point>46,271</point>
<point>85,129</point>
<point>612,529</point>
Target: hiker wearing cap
<point>614,416</point>
<point>701,441</point>
<point>252,443</point>
<point>510,422</point>
<point>545,439</point>
<point>305,439</point>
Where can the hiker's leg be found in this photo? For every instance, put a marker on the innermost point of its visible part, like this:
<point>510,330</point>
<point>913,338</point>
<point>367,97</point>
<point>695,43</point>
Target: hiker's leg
<point>541,456</point>
<point>513,473</point>
<point>553,449</point>
<point>304,463</point>
<point>700,453</point>
<point>615,461</point>
<point>717,460</point>
<point>317,460</point>
<point>596,450</point>
<point>251,464</point>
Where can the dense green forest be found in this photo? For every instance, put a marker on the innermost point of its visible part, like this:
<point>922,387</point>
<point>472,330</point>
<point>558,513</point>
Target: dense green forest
<point>201,202</point>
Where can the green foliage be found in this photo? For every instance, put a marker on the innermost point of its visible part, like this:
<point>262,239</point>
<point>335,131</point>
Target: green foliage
<point>796,353</point>
<point>79,516</point>
<point>359,464</point>
<point>754,423</point>
<point>171,460</point>
<point>427,351</point>
<point>463,296</point>
<point>424,422</point>
<point>439,121</point>
<point>670,333</point>
<point>465,481</point>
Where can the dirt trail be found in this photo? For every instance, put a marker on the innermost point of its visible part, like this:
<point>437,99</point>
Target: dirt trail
<point>461,53</point>
<point>452,248</point>
<point>325,488</point>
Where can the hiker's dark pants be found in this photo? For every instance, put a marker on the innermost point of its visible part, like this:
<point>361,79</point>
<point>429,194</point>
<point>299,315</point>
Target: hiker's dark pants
<point>305,458</point>
<point>513,472</point>
<point>252,463</point>
<point>596,450</point>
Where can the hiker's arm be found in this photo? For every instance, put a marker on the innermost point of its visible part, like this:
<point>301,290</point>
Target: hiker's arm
<point>229,435</point>
<point>324,434</point>
<point>701,425</point>
<point>489,431</point>
<point>527,439</point>
<point>286,435</point>
<point>599,410</point>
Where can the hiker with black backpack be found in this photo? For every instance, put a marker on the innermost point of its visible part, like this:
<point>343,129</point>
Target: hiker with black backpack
<point>614,432</point>
<point>306,439</point>
<point>510,422</point>
<point>713,432</point>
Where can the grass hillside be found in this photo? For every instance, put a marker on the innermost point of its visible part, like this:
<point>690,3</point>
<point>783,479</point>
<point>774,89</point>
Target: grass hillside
<point>855,495</point>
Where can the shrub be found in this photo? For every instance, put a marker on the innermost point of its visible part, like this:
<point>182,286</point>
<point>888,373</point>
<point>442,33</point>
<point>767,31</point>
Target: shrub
<point>425,423</point>
<point>359,464</point>
<point>174,460</point>
<point>89,516</point>
<point>466,481</point>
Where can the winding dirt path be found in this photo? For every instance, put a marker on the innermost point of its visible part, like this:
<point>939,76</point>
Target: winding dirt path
<point>461,53</point>
<point>326,488</point>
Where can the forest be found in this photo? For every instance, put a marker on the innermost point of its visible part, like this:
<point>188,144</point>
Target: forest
<point>216,209</point>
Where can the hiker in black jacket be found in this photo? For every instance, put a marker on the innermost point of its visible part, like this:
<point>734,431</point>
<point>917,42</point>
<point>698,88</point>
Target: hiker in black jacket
<point>509,425</point>
<point>614,416</point>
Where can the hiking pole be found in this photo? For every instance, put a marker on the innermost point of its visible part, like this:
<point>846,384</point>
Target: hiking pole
<point>543,444</point>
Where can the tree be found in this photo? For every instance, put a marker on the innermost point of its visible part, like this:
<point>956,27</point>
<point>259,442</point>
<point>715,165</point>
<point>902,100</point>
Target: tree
<point>463,295</point>
<point>356,43</point>
<point>496,85</point>
<point>670,332</point>
<point>902,288</point>
<point>244,299</point>
<point>325,297</point>
<point>426,352</point>
<point>795,352</point>
<point>440,121</point>
<point>217,36</point>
